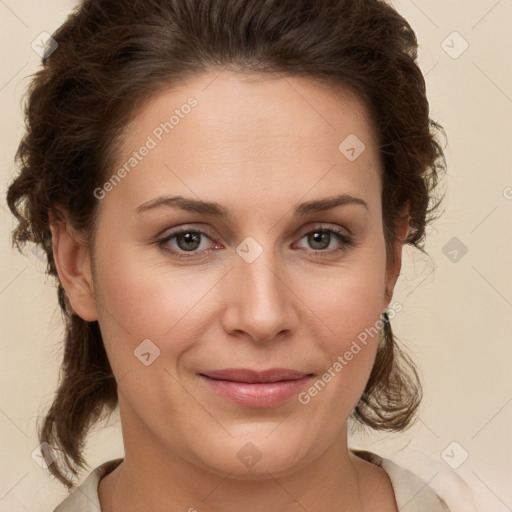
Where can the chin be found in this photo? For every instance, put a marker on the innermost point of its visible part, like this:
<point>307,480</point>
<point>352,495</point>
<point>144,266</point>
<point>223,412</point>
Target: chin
<point>248,460</point>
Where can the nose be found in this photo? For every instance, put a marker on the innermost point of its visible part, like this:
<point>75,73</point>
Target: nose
<point>261,303</point>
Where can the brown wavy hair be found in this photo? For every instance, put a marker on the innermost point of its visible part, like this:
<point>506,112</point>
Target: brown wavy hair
<point>113,55</point>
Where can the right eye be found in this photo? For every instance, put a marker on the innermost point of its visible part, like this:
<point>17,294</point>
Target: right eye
<point>186,241</point>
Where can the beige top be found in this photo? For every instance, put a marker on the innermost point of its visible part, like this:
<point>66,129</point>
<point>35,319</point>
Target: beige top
<point>409,489</point>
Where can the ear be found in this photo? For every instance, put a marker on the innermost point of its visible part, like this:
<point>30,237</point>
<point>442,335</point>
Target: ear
<point>394,265</point>
<point>72,260</point>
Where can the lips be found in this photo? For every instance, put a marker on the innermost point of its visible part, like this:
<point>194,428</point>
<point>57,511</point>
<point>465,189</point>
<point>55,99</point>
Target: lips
<point>250,388</point>
<point>250,376</point>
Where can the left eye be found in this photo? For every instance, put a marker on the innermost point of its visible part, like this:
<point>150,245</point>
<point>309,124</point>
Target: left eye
<point>320,238</point>
<point>189,241</point>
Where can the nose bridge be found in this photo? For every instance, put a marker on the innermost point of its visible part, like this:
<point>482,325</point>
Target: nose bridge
<point>260,303</point>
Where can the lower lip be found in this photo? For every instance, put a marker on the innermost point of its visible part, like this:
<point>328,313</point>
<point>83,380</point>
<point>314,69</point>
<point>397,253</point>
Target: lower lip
<point>262,394</point>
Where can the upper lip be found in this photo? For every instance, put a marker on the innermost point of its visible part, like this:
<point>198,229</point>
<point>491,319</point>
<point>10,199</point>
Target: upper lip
<point>251,376</point>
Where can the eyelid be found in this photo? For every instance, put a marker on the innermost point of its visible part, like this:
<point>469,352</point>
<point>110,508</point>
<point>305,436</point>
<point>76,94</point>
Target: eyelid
<point>322,226</point>
<point>188,229</point>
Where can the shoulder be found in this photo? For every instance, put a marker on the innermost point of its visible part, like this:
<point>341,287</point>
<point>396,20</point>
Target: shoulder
<point>409,489</point>
<point>84,498</point>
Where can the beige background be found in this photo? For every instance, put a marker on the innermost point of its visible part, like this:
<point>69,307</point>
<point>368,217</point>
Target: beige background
<point>457,315</point>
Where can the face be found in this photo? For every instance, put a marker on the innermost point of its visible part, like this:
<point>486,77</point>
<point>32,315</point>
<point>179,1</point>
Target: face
<point>262,277</point>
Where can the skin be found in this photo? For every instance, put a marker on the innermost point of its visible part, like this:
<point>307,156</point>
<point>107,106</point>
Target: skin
<point>258,146</point>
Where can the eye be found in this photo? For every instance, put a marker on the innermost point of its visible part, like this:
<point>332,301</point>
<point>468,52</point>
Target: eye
<point>186,240</point>
<point>320,238</point>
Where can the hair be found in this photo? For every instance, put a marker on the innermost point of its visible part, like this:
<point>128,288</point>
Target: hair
<point>113,55</point>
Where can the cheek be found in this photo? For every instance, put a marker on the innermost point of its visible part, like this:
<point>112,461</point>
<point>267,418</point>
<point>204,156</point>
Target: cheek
<point>350,299</point>
<point>139,301</point>
<point>348,356</point>
<point>353,315</point>
<point>349,309</point>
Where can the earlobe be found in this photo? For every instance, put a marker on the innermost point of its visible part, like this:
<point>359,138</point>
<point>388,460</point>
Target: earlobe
<point>72,260</point>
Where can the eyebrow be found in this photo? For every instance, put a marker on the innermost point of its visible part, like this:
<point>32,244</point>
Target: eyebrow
<point>217,210</point>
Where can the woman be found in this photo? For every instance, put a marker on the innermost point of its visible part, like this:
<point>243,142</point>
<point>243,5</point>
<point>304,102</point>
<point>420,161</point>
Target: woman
<point>223,191</point>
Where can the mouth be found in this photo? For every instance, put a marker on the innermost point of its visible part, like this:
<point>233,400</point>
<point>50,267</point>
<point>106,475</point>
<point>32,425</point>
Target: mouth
<point>250,376</point>
<point>252,388</point>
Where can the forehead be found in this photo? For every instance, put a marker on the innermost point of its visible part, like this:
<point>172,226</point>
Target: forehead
<point>248,108</point>
<point>252,133</point>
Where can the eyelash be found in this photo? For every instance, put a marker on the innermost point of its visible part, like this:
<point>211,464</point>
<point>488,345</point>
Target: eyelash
<point>346,240</point>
